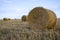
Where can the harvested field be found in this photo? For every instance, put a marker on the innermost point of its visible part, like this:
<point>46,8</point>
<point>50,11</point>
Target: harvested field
<point>17,30</point>
<point>25,34</point>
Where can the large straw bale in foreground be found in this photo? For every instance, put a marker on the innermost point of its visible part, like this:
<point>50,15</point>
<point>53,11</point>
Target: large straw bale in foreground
<point>40,18</point>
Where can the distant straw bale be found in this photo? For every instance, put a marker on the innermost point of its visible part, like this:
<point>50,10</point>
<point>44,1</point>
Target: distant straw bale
<point>9,19</point>
<point>6,19</point>
<point>24,18</point>
<point>40,18</point>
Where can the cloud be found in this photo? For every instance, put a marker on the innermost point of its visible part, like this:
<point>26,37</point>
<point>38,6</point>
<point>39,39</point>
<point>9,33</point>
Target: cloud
<point>35,0</point>
<point>58,8</point>
<point>8,1</point>
<point>5,1</point>
<point>19,10</point>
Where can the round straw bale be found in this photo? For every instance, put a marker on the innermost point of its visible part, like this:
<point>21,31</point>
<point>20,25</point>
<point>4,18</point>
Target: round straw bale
<point>40,18</point>
<point>24,18</point>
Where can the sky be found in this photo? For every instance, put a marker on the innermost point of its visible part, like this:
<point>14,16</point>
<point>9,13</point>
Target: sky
<point>18,8</point>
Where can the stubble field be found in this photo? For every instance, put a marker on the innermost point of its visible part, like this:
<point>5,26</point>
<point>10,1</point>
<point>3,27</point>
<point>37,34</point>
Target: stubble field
<point>18,30</point>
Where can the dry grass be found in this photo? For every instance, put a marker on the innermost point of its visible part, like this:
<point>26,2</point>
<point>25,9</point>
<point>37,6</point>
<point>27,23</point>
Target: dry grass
<point>23,34</point>
<point>17,30</point>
